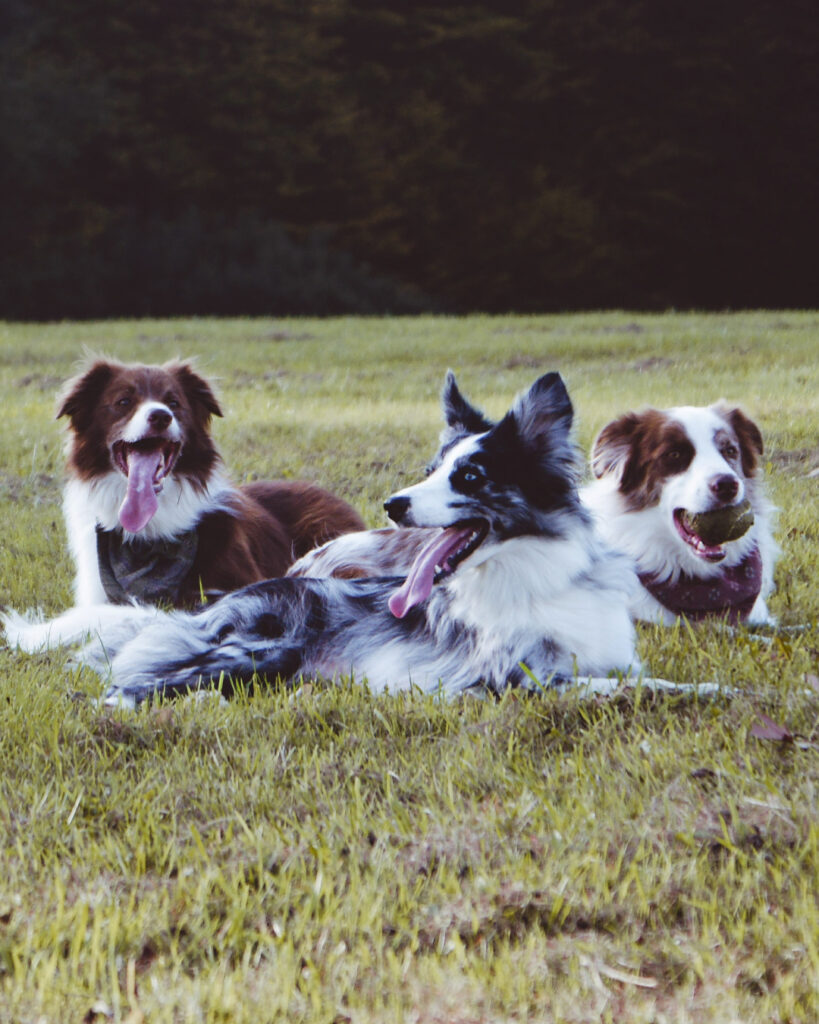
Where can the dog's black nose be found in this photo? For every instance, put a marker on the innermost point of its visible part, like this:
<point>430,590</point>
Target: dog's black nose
<point>396,508</point>
<point>724,487</point>
<point>159,419</point>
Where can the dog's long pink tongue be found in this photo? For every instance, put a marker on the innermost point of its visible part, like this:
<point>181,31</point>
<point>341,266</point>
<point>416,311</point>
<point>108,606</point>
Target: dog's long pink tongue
<point>418,585</point>
<point>140,503</point>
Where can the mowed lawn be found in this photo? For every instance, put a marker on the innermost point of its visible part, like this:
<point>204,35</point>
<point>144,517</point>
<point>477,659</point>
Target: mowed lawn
<point>340,857</point>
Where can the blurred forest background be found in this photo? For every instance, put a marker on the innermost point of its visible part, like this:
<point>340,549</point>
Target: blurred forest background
<point>170,157</point>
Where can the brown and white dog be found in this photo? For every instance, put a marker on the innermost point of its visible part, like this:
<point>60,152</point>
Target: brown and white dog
<point>651,467</point>
<point>150,512</point>
<point>656,471</point>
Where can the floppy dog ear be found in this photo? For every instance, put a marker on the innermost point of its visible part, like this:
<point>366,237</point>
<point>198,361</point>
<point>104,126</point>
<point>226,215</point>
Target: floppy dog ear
<point>748,434</point>
<point>78,399</point>
<point>196,388</point>
<point>460,416</point>
<point>614,444</point>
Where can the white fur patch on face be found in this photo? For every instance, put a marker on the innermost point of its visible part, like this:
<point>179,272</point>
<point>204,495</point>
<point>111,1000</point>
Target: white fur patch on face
<point>434,501</point>
<point>139,426</point>
<point>648,531</point>
<point>691,490</point>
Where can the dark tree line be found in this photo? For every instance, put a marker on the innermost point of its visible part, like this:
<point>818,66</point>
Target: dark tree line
<point>277,156</point>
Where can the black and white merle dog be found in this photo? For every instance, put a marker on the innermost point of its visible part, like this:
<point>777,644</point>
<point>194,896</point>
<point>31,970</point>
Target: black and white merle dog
<point>514,589</point>
<point>657,472</point>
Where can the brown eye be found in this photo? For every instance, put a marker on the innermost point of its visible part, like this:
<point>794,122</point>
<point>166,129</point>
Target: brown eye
<point>123,402</point>
<point>729,451</point>
<point>677,457</point>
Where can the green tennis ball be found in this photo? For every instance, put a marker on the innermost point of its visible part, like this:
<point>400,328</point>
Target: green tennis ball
<point>722,524</point>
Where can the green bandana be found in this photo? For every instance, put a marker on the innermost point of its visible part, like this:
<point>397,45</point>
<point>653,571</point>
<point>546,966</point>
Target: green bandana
<point>152,571</point>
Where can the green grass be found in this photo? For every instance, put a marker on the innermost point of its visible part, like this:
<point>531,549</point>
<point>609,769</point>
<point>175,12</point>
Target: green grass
<point>339,857</point>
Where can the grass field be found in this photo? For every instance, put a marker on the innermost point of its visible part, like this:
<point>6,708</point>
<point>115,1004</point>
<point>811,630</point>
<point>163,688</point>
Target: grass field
<point>339,857</point>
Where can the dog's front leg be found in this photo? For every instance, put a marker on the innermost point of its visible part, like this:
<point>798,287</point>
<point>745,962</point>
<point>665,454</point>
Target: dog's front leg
<point>598,686</point>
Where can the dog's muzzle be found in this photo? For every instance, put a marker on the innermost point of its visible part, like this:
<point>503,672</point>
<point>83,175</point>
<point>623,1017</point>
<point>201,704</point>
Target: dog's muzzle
<point>397,508</point>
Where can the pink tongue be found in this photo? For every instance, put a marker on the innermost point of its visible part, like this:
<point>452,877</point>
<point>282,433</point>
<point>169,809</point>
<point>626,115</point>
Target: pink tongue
<point>418,585</point>
<point>140,503</point>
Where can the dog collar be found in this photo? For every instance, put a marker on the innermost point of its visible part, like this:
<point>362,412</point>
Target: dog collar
<point>150,571</point>
<point>732,593</point>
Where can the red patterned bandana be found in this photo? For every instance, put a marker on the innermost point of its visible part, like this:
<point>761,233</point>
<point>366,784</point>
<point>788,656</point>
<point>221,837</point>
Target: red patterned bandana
<point>730,594</point>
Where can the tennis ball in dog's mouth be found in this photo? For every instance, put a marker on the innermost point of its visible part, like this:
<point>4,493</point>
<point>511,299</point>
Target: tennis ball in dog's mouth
<point>722,524</point>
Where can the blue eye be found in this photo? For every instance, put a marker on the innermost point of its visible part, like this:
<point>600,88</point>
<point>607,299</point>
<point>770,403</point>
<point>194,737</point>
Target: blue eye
<point>468,478</point>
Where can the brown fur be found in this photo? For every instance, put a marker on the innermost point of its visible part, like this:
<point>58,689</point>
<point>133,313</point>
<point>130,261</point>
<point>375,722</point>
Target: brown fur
<point>270,523</point>
<point>95,403</point>
<point>748,435</point>
<point>647,448</point>
<point>308,514</point>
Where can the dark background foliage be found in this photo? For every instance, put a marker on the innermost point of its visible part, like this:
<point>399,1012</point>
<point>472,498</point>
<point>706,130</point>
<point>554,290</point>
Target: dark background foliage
<point>276,156</point>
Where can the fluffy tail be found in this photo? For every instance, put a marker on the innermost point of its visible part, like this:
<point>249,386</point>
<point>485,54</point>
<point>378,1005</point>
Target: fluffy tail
<point>167,657</point>
<point>32,633</point>
<point>253,631</point>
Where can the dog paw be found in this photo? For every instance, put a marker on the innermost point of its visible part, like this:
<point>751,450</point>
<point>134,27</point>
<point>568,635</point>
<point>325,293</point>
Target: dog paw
<point>115,698</point>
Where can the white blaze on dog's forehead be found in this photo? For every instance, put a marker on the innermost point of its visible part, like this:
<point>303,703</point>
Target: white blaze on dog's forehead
<point>145,470</point>
<point>692,490</point>
<point>139,426</point>
<point>701,424</point>
<point>460,450</point>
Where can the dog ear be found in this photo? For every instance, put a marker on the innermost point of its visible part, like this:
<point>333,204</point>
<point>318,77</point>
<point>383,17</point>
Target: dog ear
<point>79,397</point>
<point>546,406</point>
<point>197,389</point>
<point>748,434</point>
<point>614,444</point>
<point>540,421</point>
<point>460,416</point>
